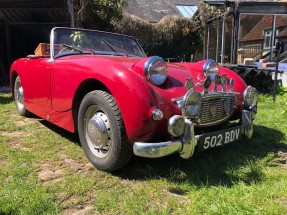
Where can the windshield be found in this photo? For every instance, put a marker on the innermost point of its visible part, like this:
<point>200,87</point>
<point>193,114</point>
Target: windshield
<point>67,41</point>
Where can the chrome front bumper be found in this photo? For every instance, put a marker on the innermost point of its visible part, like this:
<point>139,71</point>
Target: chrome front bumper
<point>186,144</point>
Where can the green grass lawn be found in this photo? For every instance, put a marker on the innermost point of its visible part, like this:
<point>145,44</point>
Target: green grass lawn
<point>43,170</point>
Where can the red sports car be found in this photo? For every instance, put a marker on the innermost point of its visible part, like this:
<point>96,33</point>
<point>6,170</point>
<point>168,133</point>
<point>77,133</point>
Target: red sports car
<point>104,87</point>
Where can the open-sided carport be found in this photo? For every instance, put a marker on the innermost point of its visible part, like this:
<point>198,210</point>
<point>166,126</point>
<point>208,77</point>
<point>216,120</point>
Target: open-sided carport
<point>251,38</point>
<point>26,23</point>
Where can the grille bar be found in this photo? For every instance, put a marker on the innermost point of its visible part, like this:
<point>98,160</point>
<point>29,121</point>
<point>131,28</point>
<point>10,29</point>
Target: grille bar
<point>215,109</point>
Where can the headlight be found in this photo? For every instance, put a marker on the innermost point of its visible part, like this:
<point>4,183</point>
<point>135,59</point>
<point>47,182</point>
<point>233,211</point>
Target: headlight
<point>155,69</point>
<point>192,108</point>
<point>210,67</point>
<point>176,125</point>
<point>250,97</point>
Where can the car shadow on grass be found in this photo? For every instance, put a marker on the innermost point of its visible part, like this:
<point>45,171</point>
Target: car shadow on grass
<point>241,161</point>
<point>72,137</point>
<point>238,162</point>
<point>5,98</point>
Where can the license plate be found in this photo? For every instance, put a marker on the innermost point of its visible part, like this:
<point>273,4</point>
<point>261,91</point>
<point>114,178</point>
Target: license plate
<point>219,138</point>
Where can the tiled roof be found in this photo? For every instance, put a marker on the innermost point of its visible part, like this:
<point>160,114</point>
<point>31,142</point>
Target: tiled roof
<point>265,23</point>
<point>245,1</point>
<point>283,33</point>
<point>153,11</point>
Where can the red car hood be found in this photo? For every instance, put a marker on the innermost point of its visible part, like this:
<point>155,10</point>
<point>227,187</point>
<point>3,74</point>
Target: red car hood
<point>178,73</point>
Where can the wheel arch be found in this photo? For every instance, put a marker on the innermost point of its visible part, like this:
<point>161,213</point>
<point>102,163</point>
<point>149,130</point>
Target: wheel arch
<point>132,94</point>
<point>84,88</point>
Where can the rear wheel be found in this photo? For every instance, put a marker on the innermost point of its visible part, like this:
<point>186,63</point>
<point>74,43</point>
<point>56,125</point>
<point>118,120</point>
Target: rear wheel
<point>102,132</point>
<point>19,98</point>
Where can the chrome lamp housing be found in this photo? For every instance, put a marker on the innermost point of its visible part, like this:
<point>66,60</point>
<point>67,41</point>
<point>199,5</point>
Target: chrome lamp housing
<point>210,68</point>
<point>176,125</point>
<point>155,69</point>
<point>250,100</point>
<point>192,105</point>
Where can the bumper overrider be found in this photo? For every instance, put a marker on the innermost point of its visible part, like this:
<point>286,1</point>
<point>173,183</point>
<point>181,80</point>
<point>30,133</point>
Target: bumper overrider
<point>185,142</point>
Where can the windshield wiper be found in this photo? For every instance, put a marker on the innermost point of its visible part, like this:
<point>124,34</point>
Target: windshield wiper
<point>71,47</point>
<point>82,50</point>
<point>113,48</point>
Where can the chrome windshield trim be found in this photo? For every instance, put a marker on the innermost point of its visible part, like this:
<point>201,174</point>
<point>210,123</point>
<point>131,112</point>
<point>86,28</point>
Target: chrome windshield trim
<point>52,51</point>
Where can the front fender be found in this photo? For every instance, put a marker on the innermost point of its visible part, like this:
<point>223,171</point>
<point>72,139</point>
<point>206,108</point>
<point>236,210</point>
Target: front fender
<point>135,101</point>
<point>128,88</point>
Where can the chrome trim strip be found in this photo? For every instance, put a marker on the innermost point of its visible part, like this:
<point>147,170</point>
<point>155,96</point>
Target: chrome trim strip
<point>156,150</point>
<point>52,51</point>
<point>247,122</point>
<point>189,140</point>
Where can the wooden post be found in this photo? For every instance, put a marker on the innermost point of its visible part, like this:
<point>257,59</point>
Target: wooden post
<point>273,36</point>
<point>223,41</point>
<point>205,42</point>
<point>236,25</point>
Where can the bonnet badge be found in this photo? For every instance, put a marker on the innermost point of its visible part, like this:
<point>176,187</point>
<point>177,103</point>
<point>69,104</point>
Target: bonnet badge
<point>189,84</point>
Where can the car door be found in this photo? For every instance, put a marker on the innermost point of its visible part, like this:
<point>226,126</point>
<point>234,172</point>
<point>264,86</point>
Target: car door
<point>65,78</point>
<point>37,89</point>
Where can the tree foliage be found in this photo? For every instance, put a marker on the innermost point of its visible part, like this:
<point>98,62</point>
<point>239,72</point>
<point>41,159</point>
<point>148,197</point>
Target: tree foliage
<point>207,12</point>
<point>171,37</point>
<point>98,14</point>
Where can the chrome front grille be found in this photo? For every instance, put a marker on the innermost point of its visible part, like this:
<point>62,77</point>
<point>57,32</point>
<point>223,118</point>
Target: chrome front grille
<point>216,108</point>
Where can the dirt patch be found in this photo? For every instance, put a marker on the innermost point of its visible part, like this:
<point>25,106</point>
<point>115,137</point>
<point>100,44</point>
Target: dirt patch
<point>12,134</point>
<point>79,210</point>
<point>49,175</point>
<point>19,146</point>
<point>73,206</point>
<point>179,195</point>
<point>74,165</point>
<point>25,121</point>
<point>280,156</point>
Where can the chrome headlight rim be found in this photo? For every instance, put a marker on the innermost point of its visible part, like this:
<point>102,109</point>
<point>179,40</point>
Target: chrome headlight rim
<point>151,72</point>
<point>210,68</point>
<point>250,97</point>
<point>192,111</point>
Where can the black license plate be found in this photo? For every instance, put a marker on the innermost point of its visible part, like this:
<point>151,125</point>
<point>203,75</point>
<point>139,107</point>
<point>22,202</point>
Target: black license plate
<point>219,138</point>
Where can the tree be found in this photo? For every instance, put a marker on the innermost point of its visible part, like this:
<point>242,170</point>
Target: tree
<point>172,36</point>
<point>98,14</point>
<point>207,12</point>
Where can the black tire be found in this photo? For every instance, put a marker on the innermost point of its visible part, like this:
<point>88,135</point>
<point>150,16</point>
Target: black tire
<point>102,132</point>
<point>19,98</point>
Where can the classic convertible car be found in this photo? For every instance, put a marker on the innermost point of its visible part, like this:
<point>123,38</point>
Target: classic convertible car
<point>121,102</point>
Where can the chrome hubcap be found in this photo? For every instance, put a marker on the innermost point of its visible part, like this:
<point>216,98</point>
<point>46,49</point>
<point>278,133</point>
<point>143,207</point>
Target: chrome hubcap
<point>97,132</point>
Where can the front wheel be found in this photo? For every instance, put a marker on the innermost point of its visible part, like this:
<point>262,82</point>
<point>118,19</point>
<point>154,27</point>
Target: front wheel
<point>102,132</point>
